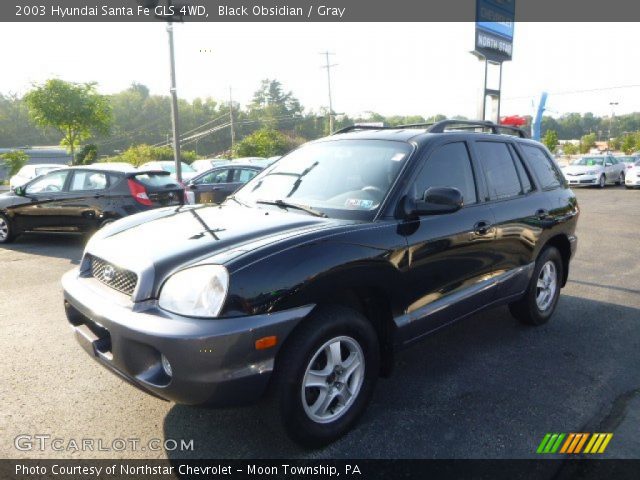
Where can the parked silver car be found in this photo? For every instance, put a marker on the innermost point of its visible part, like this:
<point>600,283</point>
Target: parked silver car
<point>597,170</point>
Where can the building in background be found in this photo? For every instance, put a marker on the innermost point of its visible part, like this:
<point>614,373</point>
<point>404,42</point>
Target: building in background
<point>37,155</point>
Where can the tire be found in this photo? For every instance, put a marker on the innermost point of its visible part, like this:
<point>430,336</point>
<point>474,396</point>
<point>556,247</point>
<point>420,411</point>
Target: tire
<point>6,230</point>
<point>620,179</point>
<point>539,303</point>
<point>602,182</point>
<point>310,348</point>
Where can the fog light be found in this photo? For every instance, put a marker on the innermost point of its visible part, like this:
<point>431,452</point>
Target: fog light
<point>166,366</point>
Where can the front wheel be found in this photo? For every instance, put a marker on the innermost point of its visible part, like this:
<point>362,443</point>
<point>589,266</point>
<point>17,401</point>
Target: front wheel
<point>602,181</point>
<point>325,375</point>
<point>541,298</point>
<point>6,229</point>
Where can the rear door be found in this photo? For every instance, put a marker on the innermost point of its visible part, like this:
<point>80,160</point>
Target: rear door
<point>213,187</point>
<point>519,211</point>
<point>84,205</point>
<point>239,176</point>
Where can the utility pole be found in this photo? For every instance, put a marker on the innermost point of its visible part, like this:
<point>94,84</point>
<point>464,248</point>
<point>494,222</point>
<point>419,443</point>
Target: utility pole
<point>174,105</point>
<point>233,133</point>
<point>328,67</point>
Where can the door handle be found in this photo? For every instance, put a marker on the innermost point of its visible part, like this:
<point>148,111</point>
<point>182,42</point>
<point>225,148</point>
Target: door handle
<point>482,227</point>
<point>542,214</point>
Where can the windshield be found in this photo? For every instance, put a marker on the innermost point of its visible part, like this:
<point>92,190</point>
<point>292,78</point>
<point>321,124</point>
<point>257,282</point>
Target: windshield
<point>343,174</point>
<point>589,161</point>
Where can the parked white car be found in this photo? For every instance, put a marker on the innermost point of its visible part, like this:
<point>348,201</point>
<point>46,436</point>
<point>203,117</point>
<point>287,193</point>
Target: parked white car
<point>29,172</point>
<point>595,170</point>
<point>208,163</point>
<point>632,176</point>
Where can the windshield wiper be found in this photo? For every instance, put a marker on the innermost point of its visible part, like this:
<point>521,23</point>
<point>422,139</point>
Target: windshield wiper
<point>232,197</point>
<point>283,204</point>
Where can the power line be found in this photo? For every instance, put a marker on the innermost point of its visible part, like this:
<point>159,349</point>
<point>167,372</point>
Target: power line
<point>574,92</point>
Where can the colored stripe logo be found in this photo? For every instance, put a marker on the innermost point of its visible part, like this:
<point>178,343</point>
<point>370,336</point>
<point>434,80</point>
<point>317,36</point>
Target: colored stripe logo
<point>574,443</point>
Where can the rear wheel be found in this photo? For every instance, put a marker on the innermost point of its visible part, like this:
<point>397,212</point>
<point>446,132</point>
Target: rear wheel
<point>325,375</point>
<point>6,229</point>
<point>541,298</point>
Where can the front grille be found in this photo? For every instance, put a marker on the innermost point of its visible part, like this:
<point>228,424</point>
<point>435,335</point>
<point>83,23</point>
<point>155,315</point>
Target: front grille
<point>117,278</point>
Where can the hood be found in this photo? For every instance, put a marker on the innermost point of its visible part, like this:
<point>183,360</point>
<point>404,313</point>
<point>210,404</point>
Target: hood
<point>580,169</point>
<point>168,238</point>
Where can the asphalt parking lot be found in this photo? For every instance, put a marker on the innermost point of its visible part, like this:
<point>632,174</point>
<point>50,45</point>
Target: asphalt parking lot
<point>486,387</point>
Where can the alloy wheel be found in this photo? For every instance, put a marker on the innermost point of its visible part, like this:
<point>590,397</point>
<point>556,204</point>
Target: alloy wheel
<point>333,379</point>
<point>4,229</point>
<point>546,286</point>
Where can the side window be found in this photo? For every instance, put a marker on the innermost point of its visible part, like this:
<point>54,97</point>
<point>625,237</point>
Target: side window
<point>52,182</point>
<point>525,179</point>
<point>243,175</point>
<point>500,170</point>
<point>545,169</point>
<point>448,166</point>
<point>219,176</point>
<point>87,180</point>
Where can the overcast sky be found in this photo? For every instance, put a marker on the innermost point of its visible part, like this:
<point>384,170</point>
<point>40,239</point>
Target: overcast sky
<point>390,68</point>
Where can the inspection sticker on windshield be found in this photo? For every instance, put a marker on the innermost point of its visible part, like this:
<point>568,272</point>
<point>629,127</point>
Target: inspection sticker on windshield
<point>358,203</point>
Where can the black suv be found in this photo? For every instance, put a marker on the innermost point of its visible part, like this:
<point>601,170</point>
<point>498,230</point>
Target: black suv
<point>83,199</point>
<point>302,285</point>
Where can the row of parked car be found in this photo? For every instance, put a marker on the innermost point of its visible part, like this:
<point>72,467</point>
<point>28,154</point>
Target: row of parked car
<point>600,170</point>
<point>52,198</point>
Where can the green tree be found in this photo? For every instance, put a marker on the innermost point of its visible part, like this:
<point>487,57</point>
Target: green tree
<point>628,144</point>
<point>76,110</point>
<point>570,148</point>
<point>139,154</point>
<point>14,161</point>
<point>265,142</point>
<point>587,142</point>
<point>87,155</point>
<point>550,139</point>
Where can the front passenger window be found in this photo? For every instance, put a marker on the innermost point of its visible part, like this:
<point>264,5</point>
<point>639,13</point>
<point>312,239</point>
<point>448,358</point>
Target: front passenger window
<point>448,166</point>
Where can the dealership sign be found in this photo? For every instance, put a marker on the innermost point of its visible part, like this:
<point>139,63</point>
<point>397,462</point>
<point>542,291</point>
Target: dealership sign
<point>494,29</point>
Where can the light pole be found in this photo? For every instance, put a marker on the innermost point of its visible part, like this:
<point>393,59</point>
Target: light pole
<point>174,105</point>
<point>328,67</point>
<point>613,106</point>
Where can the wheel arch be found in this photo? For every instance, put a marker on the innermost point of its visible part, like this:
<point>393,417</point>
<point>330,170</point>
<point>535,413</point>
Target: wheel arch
<point>561,242</point>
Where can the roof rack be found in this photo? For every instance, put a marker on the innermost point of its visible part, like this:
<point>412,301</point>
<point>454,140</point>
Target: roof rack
<point>495,128</point>
<point>439,127</point>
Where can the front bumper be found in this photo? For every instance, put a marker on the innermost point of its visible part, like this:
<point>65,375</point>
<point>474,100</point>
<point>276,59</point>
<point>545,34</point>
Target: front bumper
<point>632,181</point>
<point>213,362</point>
<point>578,180</point>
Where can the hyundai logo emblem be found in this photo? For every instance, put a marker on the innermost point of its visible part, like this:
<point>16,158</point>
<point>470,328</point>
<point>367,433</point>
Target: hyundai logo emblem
<point>109,273</point>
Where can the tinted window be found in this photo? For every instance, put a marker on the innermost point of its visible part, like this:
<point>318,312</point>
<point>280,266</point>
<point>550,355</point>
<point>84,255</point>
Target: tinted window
<point>155,180</point>
<point>525,180</point>
<point>548,174</point>
<point>52,182</point>
<point>88,181</point>
<point>449,166</point>
<point>243,175</point>
<point>500,171</point>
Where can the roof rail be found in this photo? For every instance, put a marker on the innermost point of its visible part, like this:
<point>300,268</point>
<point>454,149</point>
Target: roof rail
<point>495,128</point>
<point>359,127</point>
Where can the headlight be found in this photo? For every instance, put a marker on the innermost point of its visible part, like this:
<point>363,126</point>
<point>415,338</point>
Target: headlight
<point>196,292</point>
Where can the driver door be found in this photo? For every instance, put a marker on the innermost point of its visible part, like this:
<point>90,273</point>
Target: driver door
<point>46,195</point>
<point>212,187</point>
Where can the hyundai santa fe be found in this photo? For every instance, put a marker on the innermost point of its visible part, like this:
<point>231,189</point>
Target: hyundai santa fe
<point>300,287</point>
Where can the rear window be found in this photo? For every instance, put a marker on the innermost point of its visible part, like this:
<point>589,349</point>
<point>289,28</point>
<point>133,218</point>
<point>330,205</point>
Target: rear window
<point>545,169</point>
<point>155,180</point>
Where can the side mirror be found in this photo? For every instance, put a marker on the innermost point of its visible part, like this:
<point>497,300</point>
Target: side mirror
<point>20,191</point>
<point>436,201</point>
